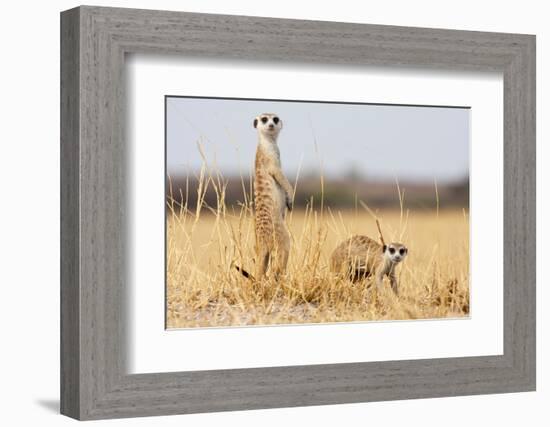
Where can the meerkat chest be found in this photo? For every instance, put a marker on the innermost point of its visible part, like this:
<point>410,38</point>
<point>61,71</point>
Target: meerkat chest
<point>266,186</point>
<point>386,267</point>
<point>269,153</point>
<point>267,160</point>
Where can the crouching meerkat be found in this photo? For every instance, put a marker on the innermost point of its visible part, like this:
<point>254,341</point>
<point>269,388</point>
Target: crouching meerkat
<point>272,196</point>
<point>360,256</point>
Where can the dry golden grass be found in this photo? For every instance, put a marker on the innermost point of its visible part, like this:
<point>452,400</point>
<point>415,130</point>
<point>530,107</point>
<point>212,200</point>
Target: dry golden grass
<point>205,290</point>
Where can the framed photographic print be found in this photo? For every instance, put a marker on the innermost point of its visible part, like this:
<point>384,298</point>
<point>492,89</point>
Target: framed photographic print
<point>262,213</point>
<point>411,165</point>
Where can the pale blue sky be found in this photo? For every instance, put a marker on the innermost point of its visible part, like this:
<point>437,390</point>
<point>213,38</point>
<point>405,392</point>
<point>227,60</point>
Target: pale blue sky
<point>384,142</point>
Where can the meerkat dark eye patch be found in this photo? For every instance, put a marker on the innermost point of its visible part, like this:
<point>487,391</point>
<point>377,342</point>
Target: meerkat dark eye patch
<point>275,120</point>
<point>392,250</point>
<point>402,251</point>
<point>264,120</point>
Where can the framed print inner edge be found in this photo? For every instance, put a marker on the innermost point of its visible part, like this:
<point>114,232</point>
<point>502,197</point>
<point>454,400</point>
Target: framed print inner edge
<point>300,344</point>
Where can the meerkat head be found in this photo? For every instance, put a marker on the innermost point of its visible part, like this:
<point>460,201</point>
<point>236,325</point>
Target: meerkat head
<point>268,124</point>
<point>395,252</point>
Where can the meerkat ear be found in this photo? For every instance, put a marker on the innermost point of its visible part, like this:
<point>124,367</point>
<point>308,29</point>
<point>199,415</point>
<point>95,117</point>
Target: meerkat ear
<point>255,123</point>
<point>384,248</point>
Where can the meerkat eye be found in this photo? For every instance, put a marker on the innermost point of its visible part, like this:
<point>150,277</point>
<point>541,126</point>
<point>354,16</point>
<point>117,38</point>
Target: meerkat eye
<point>275,120</point>
<point>392,250</point>
<point>402,251</point>
<point>264,120</point>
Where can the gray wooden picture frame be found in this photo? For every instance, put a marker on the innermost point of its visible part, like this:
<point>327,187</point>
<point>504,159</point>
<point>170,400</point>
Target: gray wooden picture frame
<point>94,381</point>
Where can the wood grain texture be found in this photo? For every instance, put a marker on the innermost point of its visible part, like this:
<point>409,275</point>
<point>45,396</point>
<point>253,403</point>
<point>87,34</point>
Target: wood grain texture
<point>70,291</point>
<point>95,238</point>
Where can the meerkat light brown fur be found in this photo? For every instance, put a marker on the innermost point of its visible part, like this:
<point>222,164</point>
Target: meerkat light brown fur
<point>360,256</point>
<point>272,196</point>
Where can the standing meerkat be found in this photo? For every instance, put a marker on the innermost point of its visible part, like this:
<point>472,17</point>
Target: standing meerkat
<point>360,257</point>
<point>272,196</point>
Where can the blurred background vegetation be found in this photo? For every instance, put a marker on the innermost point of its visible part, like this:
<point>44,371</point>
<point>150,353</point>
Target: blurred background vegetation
<point>338,193</point>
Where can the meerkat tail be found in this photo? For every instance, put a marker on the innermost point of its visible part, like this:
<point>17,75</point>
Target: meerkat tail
<point>244,273</point>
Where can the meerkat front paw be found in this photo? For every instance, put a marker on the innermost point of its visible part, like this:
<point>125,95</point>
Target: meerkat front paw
<point>288,203</point>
